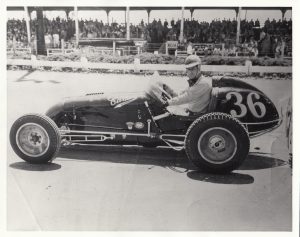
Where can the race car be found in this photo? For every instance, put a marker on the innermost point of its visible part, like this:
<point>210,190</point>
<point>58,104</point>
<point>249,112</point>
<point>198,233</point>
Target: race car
<point>217,141</point>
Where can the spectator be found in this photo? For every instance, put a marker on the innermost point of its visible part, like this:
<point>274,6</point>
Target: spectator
<point>190,49</point>
<point>172,23</point>
<point>195,31</point>
<point>278,50</point>
<point>166,23</point>
<point>265,45</point>
<point>48,40</point>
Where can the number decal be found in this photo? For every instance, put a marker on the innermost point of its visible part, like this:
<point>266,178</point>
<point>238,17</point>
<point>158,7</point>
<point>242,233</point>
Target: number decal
<point>238,102</point>
<point>253,107</point>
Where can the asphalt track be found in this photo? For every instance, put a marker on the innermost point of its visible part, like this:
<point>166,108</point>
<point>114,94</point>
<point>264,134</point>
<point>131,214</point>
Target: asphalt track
<point>134,188</point>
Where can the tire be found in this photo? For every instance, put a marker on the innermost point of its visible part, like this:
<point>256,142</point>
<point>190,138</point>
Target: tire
<point>35,138</point>
<point>217,143</point>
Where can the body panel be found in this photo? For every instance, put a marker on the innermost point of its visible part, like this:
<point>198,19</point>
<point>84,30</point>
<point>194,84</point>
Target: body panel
<point>128,111</point>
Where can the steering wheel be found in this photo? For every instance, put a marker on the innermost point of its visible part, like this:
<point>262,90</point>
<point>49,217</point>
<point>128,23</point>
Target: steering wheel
<point>165,95</point>
<point>164,92</point>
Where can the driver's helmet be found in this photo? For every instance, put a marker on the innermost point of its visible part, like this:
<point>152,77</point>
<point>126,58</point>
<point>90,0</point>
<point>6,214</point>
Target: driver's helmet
<point>192,61</point>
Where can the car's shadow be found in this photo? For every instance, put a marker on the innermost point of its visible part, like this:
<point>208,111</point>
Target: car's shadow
<point>128,155</point>
<point>176,161</point>
<point>35,167</point>
<point>232,178</point>
<point>257,161</point>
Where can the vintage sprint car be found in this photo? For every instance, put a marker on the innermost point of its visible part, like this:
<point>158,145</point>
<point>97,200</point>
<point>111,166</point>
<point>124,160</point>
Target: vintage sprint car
<point>217,141</point>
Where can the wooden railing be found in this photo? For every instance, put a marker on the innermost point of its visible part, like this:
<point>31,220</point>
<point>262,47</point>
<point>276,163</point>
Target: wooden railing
<point>137,66</point>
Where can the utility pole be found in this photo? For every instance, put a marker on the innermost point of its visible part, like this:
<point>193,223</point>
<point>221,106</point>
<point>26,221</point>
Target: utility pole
<point>76,26</point>
<point>238,28</point>
<point>40,36</point>
<point>128,23</point>
<point>27,19</point>
<point>181,25</point>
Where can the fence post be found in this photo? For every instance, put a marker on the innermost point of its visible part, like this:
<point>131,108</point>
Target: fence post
<point>63,46</point>
<point>248,65</point>
<point>223,49</point>
<point>282,49</point>
<point>114,48</point>
<point>176,53</point>
<point>139,49</point>
<point>167,50</point>
<point>137,63</point>
<point>14,45</point>
<point>84,62</point>
<point>34,61</point>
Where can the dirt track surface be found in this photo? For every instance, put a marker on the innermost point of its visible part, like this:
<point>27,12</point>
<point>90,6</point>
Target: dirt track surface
<point>133,188</point>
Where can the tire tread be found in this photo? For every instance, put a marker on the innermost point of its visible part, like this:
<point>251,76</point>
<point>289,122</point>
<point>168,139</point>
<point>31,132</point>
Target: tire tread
<point>203,119</point>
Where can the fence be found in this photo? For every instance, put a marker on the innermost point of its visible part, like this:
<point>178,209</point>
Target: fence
<point>205,49</point>
<point>248,68</point>
<point>170,47</point>
<point>131,50</point>
<point>60,51</point>
<point>18,50</point>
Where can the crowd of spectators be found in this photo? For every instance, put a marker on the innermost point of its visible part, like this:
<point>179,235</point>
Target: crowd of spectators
<point>259,39</point>
<point>16,31</point>
<point>55,30</point>
<point>97,29</point>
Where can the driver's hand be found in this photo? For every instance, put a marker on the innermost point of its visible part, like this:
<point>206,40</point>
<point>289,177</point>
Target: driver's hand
<point>177,110</point>
<point>164,100</point>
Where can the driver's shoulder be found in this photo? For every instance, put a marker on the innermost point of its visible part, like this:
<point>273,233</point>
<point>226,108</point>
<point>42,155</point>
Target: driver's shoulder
<point>204,83</point>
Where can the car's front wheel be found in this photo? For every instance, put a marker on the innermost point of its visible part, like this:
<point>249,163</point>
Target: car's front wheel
<point>35,138</point>
<point>217,142</point>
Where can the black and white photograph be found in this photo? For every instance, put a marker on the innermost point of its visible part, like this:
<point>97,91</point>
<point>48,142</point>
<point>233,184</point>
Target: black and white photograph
<point>150,117</point>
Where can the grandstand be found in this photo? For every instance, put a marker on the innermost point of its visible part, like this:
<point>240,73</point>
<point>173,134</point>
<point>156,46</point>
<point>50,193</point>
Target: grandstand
<point>269,38</point>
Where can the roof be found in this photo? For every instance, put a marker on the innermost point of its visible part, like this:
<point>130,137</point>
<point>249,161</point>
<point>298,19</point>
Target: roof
<point>150,8</point>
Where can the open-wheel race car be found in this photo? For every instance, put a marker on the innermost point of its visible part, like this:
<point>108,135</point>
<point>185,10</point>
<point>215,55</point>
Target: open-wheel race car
<point>217,141</point>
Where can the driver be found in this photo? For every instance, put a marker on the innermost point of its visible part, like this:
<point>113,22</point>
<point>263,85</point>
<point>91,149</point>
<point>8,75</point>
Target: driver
<point>195,98</point>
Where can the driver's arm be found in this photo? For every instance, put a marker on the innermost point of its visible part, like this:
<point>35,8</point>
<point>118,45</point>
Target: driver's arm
<point>191,94</point>
<point>183,98</point>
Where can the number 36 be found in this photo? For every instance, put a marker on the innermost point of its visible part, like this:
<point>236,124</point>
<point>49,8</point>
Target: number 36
<point>251,105</point>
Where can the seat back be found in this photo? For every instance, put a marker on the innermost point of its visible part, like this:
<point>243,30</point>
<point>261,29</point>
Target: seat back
<point>214,94</point>
<point>213,99</point>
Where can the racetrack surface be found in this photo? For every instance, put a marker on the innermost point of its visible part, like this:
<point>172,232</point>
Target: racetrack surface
<point>134,188</point>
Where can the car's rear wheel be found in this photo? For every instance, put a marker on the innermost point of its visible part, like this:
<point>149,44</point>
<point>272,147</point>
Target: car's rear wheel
<point>35,138</point>
<point>217,142</point>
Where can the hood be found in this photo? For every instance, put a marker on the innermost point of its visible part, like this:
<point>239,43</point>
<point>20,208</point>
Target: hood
<point>114,99</point>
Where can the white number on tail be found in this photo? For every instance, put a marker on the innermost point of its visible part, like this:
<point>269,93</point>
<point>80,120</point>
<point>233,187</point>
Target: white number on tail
<point>253,107</point>
<point>238,102</point>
